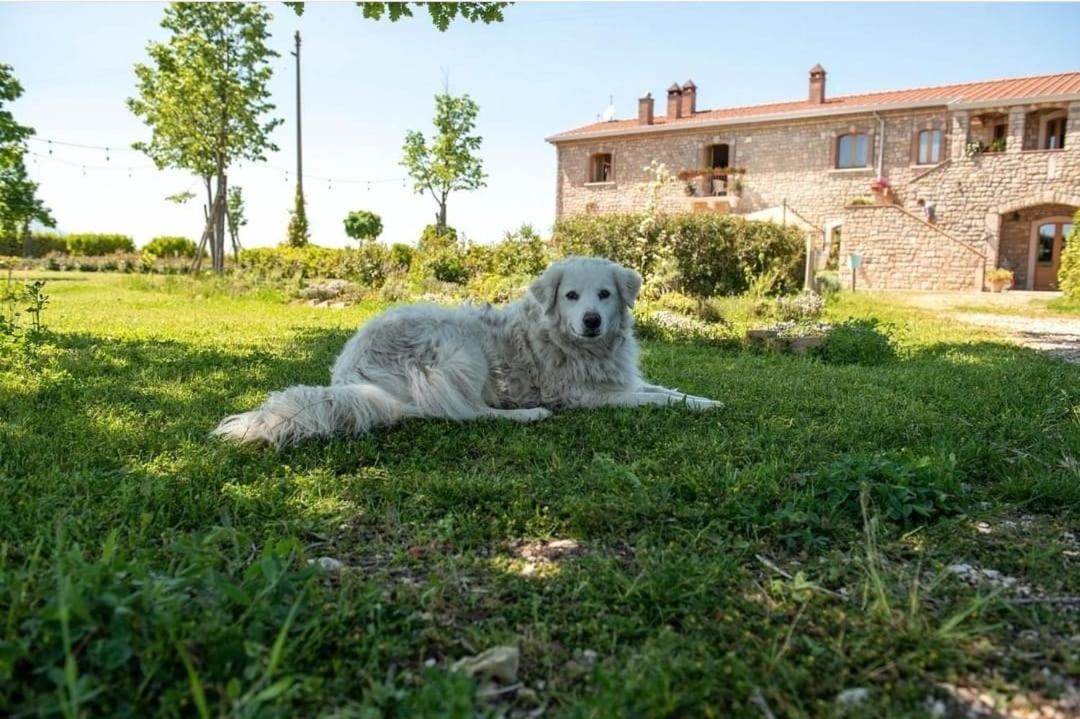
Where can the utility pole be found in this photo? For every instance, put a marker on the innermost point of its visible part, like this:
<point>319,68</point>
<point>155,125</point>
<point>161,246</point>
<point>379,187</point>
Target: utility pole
<point>299,139</point>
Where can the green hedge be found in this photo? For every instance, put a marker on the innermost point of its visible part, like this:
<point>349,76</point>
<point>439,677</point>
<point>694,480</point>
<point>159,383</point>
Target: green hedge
<point>1069,271</point>
<point>41,244</point>
<point>710,254</point>
<point>367,265</point>
<point>93,244</point>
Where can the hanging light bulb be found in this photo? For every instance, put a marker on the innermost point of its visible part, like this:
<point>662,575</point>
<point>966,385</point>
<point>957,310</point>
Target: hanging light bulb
<point>84,170</point>
<point>50,147</point>
<point>369,187</point>
<point>106,154</point>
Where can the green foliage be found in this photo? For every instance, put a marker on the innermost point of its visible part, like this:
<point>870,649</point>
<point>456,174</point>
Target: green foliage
<point>441,255</point>
<point>401,256</point>
<point>710,254</point>
<point>94,244</point>
<point>522,252</point>
<point>234,211</point>
<point>298,234</point>
<point>1069,271</point>
<point>858,341</point>
<point>205,91</point>
<point>12,134</point>
<point>363,225</point>
<point>19,203</point>
<point>17,299</point>
<point>448,161</point>
<point>170,246</point>
<point>41,244</point>
<point>441,13</point>
<point>367,266</point>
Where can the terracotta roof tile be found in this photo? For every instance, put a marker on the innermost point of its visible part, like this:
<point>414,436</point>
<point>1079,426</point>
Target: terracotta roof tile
<point>1024,87</point>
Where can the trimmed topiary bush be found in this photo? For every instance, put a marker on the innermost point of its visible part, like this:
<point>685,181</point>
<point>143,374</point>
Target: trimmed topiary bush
<point>92,244</point>
<point>170,246</point>
<point>363,225</point>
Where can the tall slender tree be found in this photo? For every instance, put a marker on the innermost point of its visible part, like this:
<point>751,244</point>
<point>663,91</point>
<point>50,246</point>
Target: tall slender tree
<point>448,162</point>
<point>441,13</point>
<point>204,94</point>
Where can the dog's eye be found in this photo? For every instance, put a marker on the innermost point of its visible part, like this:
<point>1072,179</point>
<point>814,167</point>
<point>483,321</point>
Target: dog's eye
<point>571,295</point>
<point>604,294</point>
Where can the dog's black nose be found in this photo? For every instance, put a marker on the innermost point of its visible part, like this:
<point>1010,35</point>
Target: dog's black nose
<point>591,320</point>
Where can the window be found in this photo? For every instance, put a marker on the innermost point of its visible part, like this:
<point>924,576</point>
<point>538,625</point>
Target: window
<point>600,168</point>
<point>852,151</point>
<point>929,147</point>
<point>1044,251</point>
<point>718,156</point>
<point>1055,134</point>
<point>1000,130</point>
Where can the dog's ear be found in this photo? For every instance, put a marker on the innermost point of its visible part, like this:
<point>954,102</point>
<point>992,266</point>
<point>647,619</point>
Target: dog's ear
<point>545,289</point>
<point>628,283</point>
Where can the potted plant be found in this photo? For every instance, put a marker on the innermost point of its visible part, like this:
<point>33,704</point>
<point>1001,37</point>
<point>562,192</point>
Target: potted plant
<point>999,279</point>
<point>882,193</point>
<point>997,145</point>
<point>973,148</point>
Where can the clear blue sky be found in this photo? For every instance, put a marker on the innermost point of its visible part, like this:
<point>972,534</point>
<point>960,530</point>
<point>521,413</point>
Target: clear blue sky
<point>547,68</point>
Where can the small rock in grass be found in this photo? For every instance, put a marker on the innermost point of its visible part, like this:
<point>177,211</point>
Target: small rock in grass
<point>328,564</point>
<point>851,697</point>
<point>498,662</point>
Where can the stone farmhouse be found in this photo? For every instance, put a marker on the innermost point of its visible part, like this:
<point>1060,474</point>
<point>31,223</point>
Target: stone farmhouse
<point>930,188</point>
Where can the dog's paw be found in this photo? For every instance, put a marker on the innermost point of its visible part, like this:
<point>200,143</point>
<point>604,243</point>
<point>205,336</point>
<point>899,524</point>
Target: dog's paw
<point>700,404</point>
<point>535,414</point>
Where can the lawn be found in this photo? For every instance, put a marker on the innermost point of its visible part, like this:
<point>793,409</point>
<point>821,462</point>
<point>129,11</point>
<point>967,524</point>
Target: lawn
<point>755,561</point>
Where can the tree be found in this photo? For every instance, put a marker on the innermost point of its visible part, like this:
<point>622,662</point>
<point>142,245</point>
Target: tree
<point>234,213</point>
<point>205,96</point>
<point>442,13</point>
<point>448,162</point>
<point>19,205</point>
<point>298,233</point>
<point>363,225</point>
<point>12,134</point>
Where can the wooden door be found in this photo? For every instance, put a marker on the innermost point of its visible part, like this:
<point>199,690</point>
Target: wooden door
<point>1050,240</point>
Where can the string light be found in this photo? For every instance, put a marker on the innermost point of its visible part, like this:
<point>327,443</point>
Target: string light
<point>109,150</point>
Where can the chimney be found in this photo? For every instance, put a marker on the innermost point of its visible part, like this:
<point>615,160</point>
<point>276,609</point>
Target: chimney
<point>645,109</point>
<point>817,84</point>
<point>674,102</point>
<point>689,99</point>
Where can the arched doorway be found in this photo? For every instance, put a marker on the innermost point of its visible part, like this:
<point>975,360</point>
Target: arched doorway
<point>1031,240</point>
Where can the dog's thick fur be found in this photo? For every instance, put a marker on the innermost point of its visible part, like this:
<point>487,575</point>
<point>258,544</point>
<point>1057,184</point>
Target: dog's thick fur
<point>568,343</point>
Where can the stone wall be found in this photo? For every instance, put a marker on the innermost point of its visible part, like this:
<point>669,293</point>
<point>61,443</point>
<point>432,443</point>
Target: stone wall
<point>901,251</point>
<point>792,162</point>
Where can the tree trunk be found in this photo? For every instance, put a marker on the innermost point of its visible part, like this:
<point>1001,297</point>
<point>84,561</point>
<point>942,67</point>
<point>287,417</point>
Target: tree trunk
<point>442,216</point>
<point>28,239</point>
<point>219,222</point>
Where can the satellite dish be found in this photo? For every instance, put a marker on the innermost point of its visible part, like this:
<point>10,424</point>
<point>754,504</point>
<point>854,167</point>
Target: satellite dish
<point>609,111</point>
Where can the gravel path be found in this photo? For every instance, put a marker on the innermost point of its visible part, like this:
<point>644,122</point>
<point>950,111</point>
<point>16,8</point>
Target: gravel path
<point>1060,337</point>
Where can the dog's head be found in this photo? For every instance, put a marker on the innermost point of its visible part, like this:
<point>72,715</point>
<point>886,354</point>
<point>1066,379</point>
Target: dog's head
<point>586,297</point>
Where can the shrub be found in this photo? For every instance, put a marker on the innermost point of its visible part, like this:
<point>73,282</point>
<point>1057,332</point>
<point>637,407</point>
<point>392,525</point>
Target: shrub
<point>858,342</point>
<point>800,308</point>
<point>363,225</point>
<point>366,266</point>
<point>401,256</point>
<point>1069,271</point>
<point>41,244</point>
<point>828,282</point>
<point>498,288</point>
<point>95,244</point>
<point>709,254</point>
<point>169,246</point>
<point>441,256</point>
<point>521,252</point>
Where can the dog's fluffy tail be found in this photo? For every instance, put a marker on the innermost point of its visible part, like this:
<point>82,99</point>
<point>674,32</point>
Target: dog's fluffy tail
<point>301,412</point>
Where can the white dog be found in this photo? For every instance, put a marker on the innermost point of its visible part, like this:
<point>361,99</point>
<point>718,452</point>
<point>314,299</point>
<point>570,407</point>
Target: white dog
<point>568,343</point>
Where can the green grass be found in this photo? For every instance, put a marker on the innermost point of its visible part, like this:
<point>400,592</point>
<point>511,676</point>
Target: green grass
<point>781,550</point>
